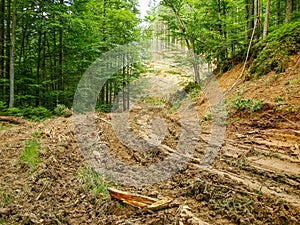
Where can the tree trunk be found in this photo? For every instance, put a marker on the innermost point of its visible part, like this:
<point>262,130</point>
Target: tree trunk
<point>2,33</point>
<point>38,69</point>
<point>12,57</point>
<point>256,17</point>
<point>8,39</point>
<point>278,11</point>
<point>289,10</point>
<point>266,24</point>
<point>60,60</point>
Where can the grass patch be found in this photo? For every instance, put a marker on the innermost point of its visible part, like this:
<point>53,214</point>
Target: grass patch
<point>29,155</point>
<point>93,182</point>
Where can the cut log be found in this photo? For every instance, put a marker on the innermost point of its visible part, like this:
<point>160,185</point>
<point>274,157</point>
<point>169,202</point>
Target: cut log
<point>12,119</point>
<point>137,200</point>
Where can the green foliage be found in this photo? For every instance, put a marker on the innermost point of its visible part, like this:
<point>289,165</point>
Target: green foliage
<point>191,86</point>
<point>272,53</point>
<point>29,155</point>
<point>208,116</point>
<point>247,105</point>
<point>153,101</point>
<point>35,114</point>
<point>279,99</point>
<point>175,105</point>
<point>62,110</point>
<point>3,107</point>
<point>93,182</point>
<point>194,94</point>
<point>104,108</point>
<point>59,109</point>
<point>193,89</point>
<point>59,41</point>
<point>36,134</point>
<point>14,112</point>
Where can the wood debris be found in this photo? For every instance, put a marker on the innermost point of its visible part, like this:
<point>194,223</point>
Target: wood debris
<point>140,201</point>
<point>12,119</point>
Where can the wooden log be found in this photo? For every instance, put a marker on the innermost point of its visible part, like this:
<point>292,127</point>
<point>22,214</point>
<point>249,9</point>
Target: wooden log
<point>140,201</point>
<point>132,199</point>
<point>12,119</point>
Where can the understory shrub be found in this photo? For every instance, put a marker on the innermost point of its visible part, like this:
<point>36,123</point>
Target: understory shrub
<point>32,113</point>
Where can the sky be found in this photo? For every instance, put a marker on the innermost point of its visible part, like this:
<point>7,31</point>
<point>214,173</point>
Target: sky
<point>144,6</point>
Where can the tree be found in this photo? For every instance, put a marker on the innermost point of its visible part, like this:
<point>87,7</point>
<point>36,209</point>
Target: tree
<point>266,23</point>
<point>289,10</point>
<point>2,34</point>
<point>12,56</point>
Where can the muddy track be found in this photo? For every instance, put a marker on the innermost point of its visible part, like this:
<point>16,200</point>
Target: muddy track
<point>255,178</point>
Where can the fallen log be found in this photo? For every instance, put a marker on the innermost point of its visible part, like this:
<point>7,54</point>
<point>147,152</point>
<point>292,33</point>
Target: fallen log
<point>12,119</point>
<point>140,201</point>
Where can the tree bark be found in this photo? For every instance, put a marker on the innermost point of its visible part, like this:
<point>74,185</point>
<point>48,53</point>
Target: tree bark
<point>8,38</point>
<point>12,57</point>
<point>278,8</point>
<point>266,24</point>
<point>2,33</point>
<point>289,10</point>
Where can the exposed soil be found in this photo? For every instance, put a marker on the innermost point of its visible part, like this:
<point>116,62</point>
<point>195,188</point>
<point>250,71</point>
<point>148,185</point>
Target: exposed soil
<point>255,178</point>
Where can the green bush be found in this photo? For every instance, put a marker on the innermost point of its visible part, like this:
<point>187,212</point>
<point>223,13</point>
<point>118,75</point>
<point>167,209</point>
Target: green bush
<point>3,107</point>
<point>104,108</point>
<point>62,110</point>
<point>247,105</point>
<point>36,114</point>
<point>59,109</point>
<point>191,87</point>
<point>31,113</point>
<point>272,53</point>
<point>14,112</point>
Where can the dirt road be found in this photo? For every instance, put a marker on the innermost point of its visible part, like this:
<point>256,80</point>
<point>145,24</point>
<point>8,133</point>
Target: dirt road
<point>255,178</point>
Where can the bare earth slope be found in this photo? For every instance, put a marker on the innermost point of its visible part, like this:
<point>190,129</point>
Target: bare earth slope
<point>255,179</point>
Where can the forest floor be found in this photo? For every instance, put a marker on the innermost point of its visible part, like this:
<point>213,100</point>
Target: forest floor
<point>254,179</point>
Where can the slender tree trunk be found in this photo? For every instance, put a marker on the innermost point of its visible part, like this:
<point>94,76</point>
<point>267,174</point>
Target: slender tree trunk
<point>124,85</point>
<point>60,60</point>
<point>256,16</point>
<point>2,34</point>
<point>38,68</point>
<point>250,8</point>
<point>289,10</point>
<point>266,24</point>
<point>8,39</point>
<point>278,11</point>
<point>12,56</point>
